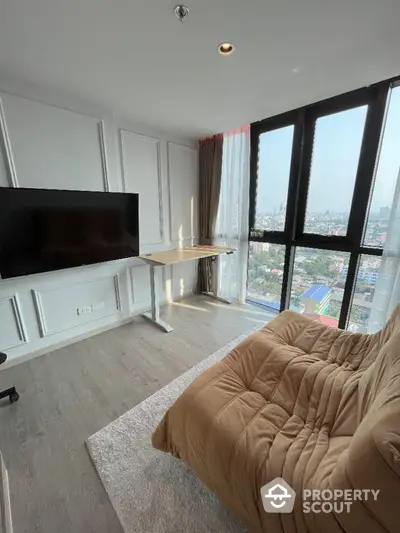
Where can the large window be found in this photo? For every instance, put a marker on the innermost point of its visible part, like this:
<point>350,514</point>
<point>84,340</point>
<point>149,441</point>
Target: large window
<point>265,273</point>
<point>322,183</point>
<point>336,150</point>
<point>317,282</point>
<point>367,276</point>
<point>386,176</point>
<point>275,148</point>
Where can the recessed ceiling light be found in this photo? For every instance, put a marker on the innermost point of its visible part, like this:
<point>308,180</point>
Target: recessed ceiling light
<point>226,49</point>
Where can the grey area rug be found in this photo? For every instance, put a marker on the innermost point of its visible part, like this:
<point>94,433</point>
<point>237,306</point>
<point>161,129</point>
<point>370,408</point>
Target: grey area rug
<point>151,491</point>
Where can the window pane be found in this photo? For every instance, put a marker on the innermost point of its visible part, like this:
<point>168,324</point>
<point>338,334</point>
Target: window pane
<point>317,286</point>
<point>265,273</point>
<point>386,176</point>
<point>367,276</point>
<point>334,165</point>
<point>274,156</point>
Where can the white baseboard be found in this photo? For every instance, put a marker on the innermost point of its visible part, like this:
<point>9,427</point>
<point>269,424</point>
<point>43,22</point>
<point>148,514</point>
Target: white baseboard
<point>73,340</point>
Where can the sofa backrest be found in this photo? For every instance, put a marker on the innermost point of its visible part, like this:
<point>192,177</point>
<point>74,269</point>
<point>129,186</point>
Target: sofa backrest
<point>381,367</point>
<point>373,457</point>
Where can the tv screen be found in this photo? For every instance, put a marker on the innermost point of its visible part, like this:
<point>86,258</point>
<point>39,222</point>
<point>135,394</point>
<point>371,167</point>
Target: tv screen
<point>43,230</point>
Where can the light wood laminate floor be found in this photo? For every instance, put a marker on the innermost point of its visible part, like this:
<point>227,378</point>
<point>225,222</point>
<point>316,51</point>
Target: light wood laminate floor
<point>69,394</point>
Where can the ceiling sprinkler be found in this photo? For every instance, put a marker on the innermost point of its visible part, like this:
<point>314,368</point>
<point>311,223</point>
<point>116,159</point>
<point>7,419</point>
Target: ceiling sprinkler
<point>181,12</point>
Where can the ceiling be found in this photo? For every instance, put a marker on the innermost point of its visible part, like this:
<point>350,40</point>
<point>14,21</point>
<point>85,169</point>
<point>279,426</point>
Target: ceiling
<point>136,58</point>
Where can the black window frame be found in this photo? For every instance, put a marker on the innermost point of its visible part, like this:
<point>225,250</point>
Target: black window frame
<point>376,97</point>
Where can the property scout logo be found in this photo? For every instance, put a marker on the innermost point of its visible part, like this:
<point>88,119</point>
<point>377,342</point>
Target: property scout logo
<point>278,497</point>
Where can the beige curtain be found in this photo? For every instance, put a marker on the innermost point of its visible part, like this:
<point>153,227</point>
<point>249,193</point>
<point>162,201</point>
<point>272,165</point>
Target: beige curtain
<point>210,169</point>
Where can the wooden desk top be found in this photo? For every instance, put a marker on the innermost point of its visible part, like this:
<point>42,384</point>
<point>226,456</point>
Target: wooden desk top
<point>190,253</point>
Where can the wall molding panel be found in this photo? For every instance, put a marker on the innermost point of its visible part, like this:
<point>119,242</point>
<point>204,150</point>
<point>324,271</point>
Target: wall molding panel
<point>182,193</point>
<point>103,153</point>
<point>42,321</point>
<point>11,170</point>
<point>76,139</point>
<point>37,301</point>
<point>117,290</point>
<point>144,195</point>
<point>18,320</point>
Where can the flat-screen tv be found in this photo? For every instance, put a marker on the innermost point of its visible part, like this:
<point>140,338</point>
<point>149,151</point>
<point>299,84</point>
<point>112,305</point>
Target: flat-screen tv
<point>42,230</point>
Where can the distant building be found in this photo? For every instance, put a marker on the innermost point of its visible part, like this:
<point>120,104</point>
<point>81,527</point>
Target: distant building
<point>337,264</point>
<point>372,262</point>
<point>364,275</point>
<point>370,277</point>
<point>260,246</point>
<point>316,299</point>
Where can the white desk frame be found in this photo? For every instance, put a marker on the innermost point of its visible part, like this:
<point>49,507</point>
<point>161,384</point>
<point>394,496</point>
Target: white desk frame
<point>171,257</point>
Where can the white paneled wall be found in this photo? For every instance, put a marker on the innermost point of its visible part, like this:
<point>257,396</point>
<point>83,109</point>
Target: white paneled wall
<point>182,162</point>
<point>183,214</point>
<point>141,172</point>
<point>44,138</point>
<point>103,295</point>
<point>12,323</point>
<point>62,147</point>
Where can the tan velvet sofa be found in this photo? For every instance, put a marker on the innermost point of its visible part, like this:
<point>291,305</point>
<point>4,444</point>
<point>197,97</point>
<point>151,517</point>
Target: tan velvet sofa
<point>317,406</point>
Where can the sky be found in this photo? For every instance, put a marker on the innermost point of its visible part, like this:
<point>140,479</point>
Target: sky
<point>335,157</point>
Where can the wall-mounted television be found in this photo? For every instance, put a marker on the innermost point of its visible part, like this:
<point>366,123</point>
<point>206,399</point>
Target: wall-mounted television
<point>43,230</point>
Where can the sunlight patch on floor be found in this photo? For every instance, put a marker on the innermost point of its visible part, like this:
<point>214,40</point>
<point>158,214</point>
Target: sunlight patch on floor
<point>258,320</point>
<point>241,309</point>
<point>194,307</point>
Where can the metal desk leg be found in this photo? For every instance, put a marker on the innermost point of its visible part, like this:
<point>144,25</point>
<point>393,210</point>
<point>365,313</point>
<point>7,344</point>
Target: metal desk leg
<point>215,292</point>
<point>154,314</point>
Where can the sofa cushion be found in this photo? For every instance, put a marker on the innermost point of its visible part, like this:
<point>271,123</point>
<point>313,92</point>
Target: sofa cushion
<point>285,403</point>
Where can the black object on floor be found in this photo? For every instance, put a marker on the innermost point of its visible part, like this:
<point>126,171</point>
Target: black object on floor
<point>11,392</point>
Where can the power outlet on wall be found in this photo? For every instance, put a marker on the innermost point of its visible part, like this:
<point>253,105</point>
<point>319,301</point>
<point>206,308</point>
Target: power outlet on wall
<point>90,308</point>
<point>84,310</point>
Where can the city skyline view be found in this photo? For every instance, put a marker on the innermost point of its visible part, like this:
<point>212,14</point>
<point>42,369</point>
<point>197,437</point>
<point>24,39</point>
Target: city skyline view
<point>319,275</point>
<point>336,151</point>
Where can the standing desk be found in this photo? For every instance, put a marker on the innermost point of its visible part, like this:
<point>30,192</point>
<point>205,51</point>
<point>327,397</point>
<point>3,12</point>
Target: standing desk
<point>172,257</point>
